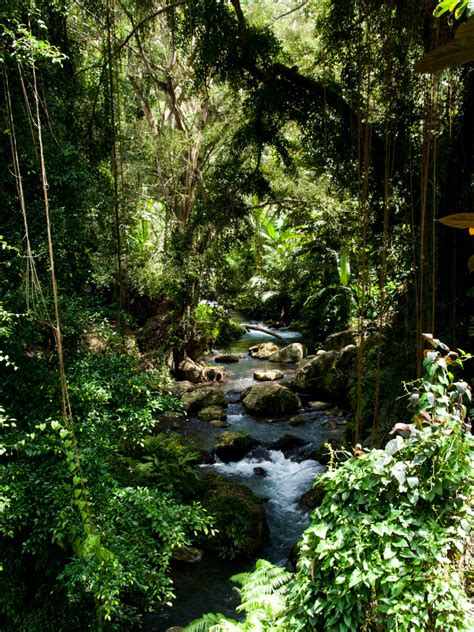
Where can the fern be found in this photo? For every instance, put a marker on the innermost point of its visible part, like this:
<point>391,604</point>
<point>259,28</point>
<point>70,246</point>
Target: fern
<point>263,594</point>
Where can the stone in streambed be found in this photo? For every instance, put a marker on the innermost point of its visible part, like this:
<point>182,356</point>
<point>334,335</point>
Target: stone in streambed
<point>267,376</point>
<point>313,497</point>
<point>264,350</point>
<point>266,400</point>
<point>294,352</point>
<point>202,398</point>
<point>297,420</point>
<point>227,358</point>
<point>233,446</point>
<point>287,443</point>
<point>219,423</point>
<point>186,554</point>
<point>319,405</point>
<point>212,413</point>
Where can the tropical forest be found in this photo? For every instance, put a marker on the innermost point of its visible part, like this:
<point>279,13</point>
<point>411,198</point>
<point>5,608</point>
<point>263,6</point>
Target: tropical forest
<point>236,315</point>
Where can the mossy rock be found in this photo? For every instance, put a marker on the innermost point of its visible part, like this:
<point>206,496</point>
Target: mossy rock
<point>200,398</point>
<point>227,358</point>
<point>212,413</point>
<point>268,376</point>
<point>329,374</point>
<point>239,518</point>
<point>233,446</point>
<point>294,352</point>
<point>264,350</point>
<point>266,400</point>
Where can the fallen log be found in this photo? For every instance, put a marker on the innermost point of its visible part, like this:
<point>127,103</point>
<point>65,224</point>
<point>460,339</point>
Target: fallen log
<point>264,330</point>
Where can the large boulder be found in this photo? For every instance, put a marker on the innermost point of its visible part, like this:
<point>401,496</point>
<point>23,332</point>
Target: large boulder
<point>292,353</point>
<point>241,526</point>
<point>328,375</point>
<point>264,350</point>
<point>200,398</point>
<point>339,340</point>
<point>267,376</point>
<point>233,446</point>
<point>191,371</point>
<point>270,400</point>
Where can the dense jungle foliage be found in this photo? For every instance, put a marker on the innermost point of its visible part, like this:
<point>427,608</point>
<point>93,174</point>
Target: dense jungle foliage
<point>306,163</point>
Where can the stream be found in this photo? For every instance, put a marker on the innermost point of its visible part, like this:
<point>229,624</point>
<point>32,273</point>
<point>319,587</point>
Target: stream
<point>205,587</point>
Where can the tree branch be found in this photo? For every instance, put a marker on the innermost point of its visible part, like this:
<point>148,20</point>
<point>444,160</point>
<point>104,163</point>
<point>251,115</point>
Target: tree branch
<point>300,6</point>
<point>155,14</point>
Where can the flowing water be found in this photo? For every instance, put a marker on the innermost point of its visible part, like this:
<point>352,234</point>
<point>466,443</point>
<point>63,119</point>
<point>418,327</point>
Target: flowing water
<point>205,587</point>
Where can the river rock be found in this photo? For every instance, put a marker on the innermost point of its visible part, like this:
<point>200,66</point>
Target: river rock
<point>319,405</point>
<point>212,413</point>
<point>227,358</point>
<point>329,374</point>
<point>187,554</point>
<point>219,423</point>
<point>213,373</point>
<point>239,518</point>
<point>313,497</point>
<point>260,471</point>
<point>267,376</point>
<point>179,388</point>
<point>264,350</point>
<point>339,340</point>
<point>191,370</point>
<point>297,420</point>
<point>265,400</point>
<point>292,353</point>
<point>233,446</point>
<point>287,443</point>
<point>201,398</point>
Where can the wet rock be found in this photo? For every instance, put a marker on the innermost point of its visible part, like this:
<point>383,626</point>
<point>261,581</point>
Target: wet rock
<point>294,352</point>
<point>288,443</point>
<point>264,350</point>
<point>340,339</point>
<point>330,424</point>
<point>179,388</point>
<point>267,376</point>
<point>297,420</point>
<point>219,423</point>
<point>186,554</point>
<point>201,398</point>
<point>294,555</point>
<point>265,400</point>
<point>329,374</point>
<point>334,412</point>
<point>319,405</point>
<point>313,497</point>
<point>233,446</point>
<point>260,471</point>
<point>213,374</point>
<point>191,371</point>
<point>227,358</point>
<point>212,413</point>
<point>239,518</point>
